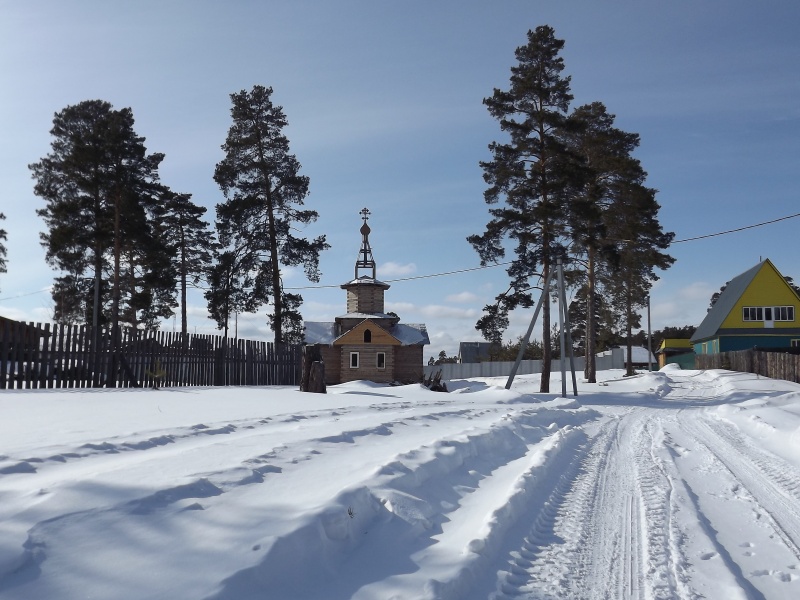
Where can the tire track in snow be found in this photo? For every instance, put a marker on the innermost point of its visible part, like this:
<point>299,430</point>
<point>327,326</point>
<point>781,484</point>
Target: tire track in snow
<point>767,479</point>
<point>607,528</point>
<point>556,557</point>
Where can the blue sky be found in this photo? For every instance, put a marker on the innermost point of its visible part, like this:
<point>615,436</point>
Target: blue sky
<point>384,102</point>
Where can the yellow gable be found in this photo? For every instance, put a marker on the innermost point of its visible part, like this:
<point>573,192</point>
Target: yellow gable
<point>768,288</point>
<point>377,334</point>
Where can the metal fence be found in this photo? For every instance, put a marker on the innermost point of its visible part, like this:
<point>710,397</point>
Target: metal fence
<point>612,360</point>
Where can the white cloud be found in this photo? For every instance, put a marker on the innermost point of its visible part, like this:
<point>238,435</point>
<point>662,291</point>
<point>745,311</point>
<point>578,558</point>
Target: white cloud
<point>289,273</point>
<point>393,269</point>
<point>462,297</point>
<point>401,307</point>
<point>436,311</point>
<point>699,291</point>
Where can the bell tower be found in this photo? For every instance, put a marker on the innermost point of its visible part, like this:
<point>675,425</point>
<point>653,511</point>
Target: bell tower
<point>365,258</point>
<point>365,292</point>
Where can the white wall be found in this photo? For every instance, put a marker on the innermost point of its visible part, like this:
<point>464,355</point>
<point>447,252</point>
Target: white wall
<point>613,359</point>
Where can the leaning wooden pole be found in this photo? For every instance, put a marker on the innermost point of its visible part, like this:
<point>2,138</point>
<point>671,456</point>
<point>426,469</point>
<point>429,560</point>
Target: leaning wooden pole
<point>526,339</point>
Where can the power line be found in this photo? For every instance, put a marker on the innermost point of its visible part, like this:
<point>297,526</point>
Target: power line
<point>702,237</point>
<point>457,271</point>
<point>429,276</point>
<point>25,295</point>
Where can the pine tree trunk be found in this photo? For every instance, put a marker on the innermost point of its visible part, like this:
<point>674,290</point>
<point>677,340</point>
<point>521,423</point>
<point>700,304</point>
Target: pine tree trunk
<point>276,272</point>
<point>590,371</point>
<point>115,291</point>
<point>547,350</point>
<point>629,330</point>
<point>184,326</point>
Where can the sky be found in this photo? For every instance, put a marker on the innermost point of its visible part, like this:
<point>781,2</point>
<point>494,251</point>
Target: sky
<point>384,104</point>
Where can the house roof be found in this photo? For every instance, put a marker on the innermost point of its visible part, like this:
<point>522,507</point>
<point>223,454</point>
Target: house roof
<point>728,299</point>
<point>472,352</point>
<point>668,344</point>
<point>639,354</point>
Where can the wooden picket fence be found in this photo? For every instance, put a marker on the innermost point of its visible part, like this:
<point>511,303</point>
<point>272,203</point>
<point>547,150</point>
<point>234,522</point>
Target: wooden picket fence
<point>35,356</point>
<point>773,363</point>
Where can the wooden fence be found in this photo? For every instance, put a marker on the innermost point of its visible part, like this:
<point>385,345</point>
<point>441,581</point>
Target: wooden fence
<point>73,356</point>
<point>769,363</point>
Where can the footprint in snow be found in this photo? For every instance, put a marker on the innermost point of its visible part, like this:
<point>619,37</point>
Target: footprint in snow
<point>708,555</point>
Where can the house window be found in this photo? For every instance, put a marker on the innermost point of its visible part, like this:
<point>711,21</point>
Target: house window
<point>367,336</point>
<point>381,360</point>
<point>752,313</point>
<point>354,360</point>
<point>768,313</point>
<point>795,343</point>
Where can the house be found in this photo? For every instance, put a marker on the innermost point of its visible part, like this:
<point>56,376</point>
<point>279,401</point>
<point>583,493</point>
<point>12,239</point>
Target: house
<point>641,358</point>
<point>675,351</point>
<point>366,342</point>
<point>473,352</point>
<point>756,308</point>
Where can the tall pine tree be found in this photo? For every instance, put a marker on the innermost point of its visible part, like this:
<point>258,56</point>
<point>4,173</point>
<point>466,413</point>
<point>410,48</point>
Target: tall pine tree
<point>530,174</point>
<point>101,187</point>
<point>264,195</point>
<point>632,223</point>
<point>190,241</point>
<point>608,166</point>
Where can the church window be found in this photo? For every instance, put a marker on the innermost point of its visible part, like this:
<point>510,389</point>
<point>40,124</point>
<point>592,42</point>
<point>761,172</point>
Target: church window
<point>354,360</point>
<point>367,336</point>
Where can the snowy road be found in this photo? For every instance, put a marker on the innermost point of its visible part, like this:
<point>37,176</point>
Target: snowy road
<point>666,485</point>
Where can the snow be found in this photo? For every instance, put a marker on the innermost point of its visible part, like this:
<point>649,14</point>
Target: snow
<point>672,484</point>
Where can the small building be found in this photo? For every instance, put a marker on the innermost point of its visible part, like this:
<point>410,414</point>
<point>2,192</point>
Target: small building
<point>756,308</point>
<point>473,352</point>
<point>641,358</point>
<point>675,351</point>
<point>366,342</point>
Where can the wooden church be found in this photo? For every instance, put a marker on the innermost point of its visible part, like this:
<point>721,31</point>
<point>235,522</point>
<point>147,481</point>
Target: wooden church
<point>366,342</point>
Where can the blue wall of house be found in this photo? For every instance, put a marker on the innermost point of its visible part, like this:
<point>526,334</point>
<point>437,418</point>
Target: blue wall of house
<point>733,343</point>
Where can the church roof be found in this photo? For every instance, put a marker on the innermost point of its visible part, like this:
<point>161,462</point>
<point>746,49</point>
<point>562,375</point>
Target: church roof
<point>408,334</point>
<point>366,280</point>
<point>359,315</point>
<point>411,334</point>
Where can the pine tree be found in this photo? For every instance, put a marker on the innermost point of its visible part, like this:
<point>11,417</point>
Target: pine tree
<point>530,174</point>
<point>190,241</point>
<point>101,187</point>
<point>608,166</point>
<point>229,288</point>
<point>632,221</point>
<point>264,194</point>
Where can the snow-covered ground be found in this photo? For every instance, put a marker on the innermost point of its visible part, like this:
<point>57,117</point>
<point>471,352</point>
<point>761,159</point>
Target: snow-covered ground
<point>675,484</point>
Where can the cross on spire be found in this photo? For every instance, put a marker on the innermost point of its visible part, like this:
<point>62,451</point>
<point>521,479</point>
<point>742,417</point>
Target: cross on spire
<point>365,259</point>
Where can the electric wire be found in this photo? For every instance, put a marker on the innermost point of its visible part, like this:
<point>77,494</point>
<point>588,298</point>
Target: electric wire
<point>480,268</point>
